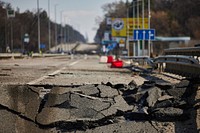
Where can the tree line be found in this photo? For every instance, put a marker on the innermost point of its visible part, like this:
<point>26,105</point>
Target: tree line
<point>168,17</point>
<point>26,23</point>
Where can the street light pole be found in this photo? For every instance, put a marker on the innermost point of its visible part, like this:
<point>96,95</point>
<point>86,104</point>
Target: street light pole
<point>127,27</point>
<point>6,42</point>
<point>149,25</point>
<point>143,42</point>
<point>49,25</point>
<point>138,25</point>
<point>38,25</point>
<point>134,47</point>
<point>61,31</point>
<point>56,34</point>
<point>12,35</point>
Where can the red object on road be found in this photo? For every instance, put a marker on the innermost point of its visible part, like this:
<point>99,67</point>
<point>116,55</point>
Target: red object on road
<point>117,64</point>
<point>110,59</point>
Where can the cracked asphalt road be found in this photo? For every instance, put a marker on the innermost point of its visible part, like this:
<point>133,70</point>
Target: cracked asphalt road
<point>60,71</point>
<point>80,70</point>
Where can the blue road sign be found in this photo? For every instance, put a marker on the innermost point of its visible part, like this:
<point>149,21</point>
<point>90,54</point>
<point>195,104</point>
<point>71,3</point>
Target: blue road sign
<point>144,34</point>
<point>42,46</point>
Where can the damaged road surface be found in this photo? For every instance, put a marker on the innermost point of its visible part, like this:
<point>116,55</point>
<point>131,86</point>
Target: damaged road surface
<point>106,108</point>
<point>85,96</point>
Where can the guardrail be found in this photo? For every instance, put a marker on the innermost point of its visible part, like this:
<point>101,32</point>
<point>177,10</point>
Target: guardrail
<point>190,51</point>
<point>186,66</point>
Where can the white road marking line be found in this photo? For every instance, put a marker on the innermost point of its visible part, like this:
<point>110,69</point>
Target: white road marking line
<point>37,80</point>
<point>73,63</point>
<point>54,73</point>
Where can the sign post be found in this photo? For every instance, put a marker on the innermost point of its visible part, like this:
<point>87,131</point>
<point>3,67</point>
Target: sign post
<point>144,34</point>
<point>11,14</point>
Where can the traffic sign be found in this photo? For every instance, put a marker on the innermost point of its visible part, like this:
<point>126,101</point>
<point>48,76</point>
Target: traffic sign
<point>26,38</point>
<point>42,46</point>
<point>144,34</point>
<point>10,13</point>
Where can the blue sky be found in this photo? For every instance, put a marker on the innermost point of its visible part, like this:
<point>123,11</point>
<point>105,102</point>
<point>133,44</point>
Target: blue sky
<point>80,14</point>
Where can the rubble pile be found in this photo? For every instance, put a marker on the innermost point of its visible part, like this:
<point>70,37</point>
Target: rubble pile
<point>95,107</point>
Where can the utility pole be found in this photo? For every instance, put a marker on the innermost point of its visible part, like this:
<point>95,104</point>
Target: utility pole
<point>38,26</point>
<point>12,35</point>
<point>11,15</point>
<point>6,43</point>
<point>138,25</point>
<point>56,33</point>
<point>127,27</point>
<point>49,25</point>
<point>134,47</point>
<point>143,42</point>
<point>149,25</point>
<point>61,31</point>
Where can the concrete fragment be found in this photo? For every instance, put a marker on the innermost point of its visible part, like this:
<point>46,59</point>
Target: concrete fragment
<point>176,92</point>
<point>165,97</point>
<point>81,102</point>
<point>183,84</point>
<point>79,108</point>
<point>56,99</point>
<point>153,95</point>
<point>164,85</point>
<point>63,90</point>
<point>138,113</point>
<point>170,114</point>
<point>133,98</point>
<point>89,90</point>
<point>148,84</point>
<point>20,99</point>
<point>107,91</point>
<point>164,104</point>
<point>119,105</point>
<point>53,115</point>
<point>132,84</point>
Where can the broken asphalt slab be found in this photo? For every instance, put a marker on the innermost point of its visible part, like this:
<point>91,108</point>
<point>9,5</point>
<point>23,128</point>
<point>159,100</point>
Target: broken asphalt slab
<point>93,107</point>
<point>23,100</point>
<point>80,107</point>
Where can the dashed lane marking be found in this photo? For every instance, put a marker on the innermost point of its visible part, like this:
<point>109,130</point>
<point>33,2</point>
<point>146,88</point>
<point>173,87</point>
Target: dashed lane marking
<point>73,63</point>
<point>54,73</point>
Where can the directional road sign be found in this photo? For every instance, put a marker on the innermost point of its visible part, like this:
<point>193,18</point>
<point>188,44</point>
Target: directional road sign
<point>144,34</point>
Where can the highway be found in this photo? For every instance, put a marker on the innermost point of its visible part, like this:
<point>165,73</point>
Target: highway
<point>60,70</point>
<point>77,93</point>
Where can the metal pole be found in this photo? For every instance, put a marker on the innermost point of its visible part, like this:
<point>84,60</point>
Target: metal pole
<point>127,23</point>
<point>138,25</point>
<point>61,26</point>
<point>143,43</point>
<point>6,43</point>
<point>12,35</point>
<point>68,36</point>
<point>49,25</point>
<point>38,26</point>
<point>65,30</point>
<point>149,14</point>
<point>56,43</point>
<point>149,25</point>
<point>61,30</point>
<point>134,47</point>
<point>22,41</point>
